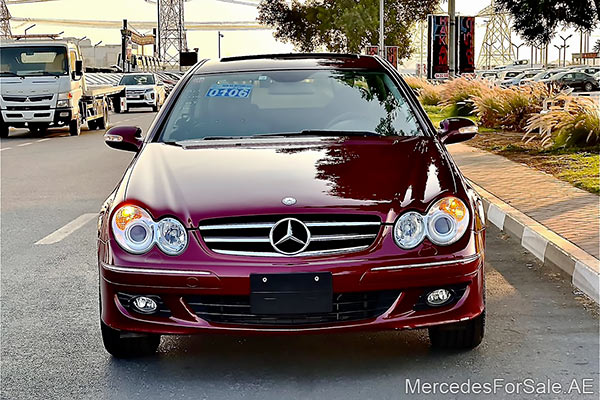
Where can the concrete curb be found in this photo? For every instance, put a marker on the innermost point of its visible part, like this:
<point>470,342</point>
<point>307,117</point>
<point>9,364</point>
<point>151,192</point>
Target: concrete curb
<point>546,245</point>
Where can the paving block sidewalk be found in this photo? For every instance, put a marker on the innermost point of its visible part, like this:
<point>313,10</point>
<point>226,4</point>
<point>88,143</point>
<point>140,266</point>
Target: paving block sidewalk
<point>563,220</point>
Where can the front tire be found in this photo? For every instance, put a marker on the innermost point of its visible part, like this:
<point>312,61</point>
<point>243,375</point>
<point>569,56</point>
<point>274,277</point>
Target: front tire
<point>128,347</point>
<point>75,127</point>
<point>588,87</point>
<point>458,336</point>
<point>3,130</point>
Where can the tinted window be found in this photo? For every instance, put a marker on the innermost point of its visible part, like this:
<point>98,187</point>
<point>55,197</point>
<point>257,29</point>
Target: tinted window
<point>137,80</point>
<point>253,103</point>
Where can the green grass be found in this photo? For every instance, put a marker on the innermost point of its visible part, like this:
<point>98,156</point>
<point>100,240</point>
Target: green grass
<point>581,169</point>
<point>438,113</point>
<point>578,166</point>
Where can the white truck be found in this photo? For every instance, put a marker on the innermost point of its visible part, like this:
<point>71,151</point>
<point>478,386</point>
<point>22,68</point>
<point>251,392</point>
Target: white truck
<point>42,85</point>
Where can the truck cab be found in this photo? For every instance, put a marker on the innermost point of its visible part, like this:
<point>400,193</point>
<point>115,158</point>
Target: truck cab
<point>42,85</point>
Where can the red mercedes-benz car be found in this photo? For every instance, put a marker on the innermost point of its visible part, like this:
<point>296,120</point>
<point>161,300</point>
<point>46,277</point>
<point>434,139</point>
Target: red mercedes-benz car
<point>291,193</point>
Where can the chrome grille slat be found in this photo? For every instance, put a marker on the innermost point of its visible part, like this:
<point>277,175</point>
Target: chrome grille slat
<point>330,234</point>
<point>236,240</point>
<point>304,254</point>
<point>325,238</point>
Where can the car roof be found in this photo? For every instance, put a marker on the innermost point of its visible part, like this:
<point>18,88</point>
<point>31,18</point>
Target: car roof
<point>262,62</point>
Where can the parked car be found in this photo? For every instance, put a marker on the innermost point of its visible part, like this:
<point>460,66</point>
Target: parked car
<point>291,193</point>
<point>516,80</point>
<point>541,76</point>
<point>576,80</point>
<point>490,75</point>
<point>508,74</point>
<point>143,90</point>
<point>588,69</point>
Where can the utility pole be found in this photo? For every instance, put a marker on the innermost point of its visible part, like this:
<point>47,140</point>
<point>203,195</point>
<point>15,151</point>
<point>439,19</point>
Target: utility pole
<point>452,38</point>
<point>5,31</point>
<point>381,29</point>
<point>96,45</point>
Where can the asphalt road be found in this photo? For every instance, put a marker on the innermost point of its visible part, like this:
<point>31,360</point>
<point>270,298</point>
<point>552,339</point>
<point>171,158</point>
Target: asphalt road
<point>537,328</point>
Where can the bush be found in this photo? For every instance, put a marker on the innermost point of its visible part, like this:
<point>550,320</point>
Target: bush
<point>430,95</point>
<point>456,95</point>
<point>416,83</point>
<point>509,108</point>
<point>572,121</point>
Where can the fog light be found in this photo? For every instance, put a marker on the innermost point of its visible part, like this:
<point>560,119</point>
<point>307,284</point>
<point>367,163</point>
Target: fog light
<point>439,297</point>
<point>64,114</point>
<point>144,305</point>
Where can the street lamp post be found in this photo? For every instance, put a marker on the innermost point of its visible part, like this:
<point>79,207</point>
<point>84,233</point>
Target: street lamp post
<point>559,48</point>
<point>96,45</point>
<point>220,35</point>
<point>381,30</point>
<point>28,28</point>
<point>564,39</point>
<point>517,47</point>
<point>452,38</point>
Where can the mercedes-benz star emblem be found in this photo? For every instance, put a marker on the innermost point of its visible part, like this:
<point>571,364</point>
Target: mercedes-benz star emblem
<point>288,201</point>
<point>289,236</point>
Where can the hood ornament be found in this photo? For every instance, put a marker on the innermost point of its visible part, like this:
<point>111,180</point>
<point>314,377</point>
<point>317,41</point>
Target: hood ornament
<point>288,201</point>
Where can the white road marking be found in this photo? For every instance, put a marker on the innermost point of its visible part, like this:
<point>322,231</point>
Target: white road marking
<point>6,148</point>
<point>24,144</point>
<point>66,230</point>
<point>42,140</point>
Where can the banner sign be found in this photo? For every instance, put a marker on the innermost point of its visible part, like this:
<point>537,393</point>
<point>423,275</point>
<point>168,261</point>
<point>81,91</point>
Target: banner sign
<point>391,54</point>
<point>437,47</point>
<point>465,45</point>
<point>372,50</point>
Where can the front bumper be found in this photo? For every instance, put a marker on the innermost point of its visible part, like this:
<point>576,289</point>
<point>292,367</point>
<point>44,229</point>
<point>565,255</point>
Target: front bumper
<point>175,288</point>
<point>53,116</point>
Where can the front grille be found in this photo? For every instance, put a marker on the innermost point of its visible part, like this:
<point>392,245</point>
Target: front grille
<point>329,234</point>
<point>27,108</point>
<point>354,306</point>
<point>22,99</point>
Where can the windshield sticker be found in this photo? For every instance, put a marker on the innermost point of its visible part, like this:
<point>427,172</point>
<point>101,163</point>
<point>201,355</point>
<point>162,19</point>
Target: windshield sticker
<point>233,91</point>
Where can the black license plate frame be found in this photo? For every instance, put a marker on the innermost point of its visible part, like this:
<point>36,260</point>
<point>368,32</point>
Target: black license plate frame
<point>291,293</point>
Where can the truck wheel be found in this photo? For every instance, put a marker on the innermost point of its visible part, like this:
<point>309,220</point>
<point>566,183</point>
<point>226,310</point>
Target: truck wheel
<point>93,125</point>
<point>3,130</point>
<point>143,345</point>
<point>103,122</point>
<point>75,127</point>
<point>460,335</point>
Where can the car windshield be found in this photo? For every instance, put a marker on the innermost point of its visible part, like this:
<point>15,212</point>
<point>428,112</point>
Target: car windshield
<point>288,102</point>
<point>33,61</point>
<point>137,80</point>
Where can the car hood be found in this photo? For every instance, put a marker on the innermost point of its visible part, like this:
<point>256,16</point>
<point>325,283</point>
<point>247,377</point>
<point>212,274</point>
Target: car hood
<point>227,178</point>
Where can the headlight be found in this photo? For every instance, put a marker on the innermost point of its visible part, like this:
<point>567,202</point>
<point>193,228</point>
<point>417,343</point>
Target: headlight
<point>136,232</point>
<point>133,229</point>
<point>447,221</point>
<point>149,90</point>
<point>63,103</point>
<point>409,230</point>
<point>171,236</point>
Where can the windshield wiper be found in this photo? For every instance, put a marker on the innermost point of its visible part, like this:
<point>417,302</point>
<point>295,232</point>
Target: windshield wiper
<point>320,132</point>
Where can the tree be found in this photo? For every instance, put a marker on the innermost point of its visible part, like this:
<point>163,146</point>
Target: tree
<point>537,20</point>
<point>343,25</point>
<point>597,46</point>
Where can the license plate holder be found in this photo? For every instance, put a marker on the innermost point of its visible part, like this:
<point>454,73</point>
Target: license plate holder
<point>293,293</point>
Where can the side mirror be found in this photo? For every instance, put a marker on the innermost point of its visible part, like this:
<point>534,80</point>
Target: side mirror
<point>455,130</point>
<point>128,138</point>
<point>160,84</point>
<point>79,67</point>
